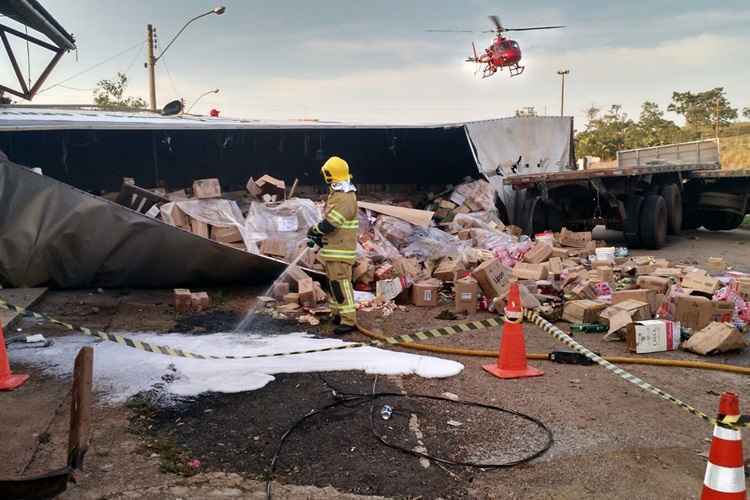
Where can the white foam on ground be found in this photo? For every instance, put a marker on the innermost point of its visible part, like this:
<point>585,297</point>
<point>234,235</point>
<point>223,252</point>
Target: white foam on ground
<point>120,372</point>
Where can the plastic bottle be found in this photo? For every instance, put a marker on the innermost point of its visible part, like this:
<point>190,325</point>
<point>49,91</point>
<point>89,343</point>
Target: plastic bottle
<point>386,412</point>
<point>588,328</point>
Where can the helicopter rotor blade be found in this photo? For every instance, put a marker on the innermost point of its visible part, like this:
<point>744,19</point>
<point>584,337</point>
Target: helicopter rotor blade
<point>452,31</point>
<point>498,25</point>
<point>534,28</point>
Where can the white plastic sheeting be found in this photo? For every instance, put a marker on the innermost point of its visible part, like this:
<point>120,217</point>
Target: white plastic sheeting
<point>527,145</point>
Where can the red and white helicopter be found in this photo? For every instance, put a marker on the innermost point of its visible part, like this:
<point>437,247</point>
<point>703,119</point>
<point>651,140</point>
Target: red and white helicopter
<point>503,53</point>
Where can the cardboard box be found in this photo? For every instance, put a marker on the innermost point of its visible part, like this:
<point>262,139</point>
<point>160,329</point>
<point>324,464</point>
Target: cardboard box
<point>446,269</point>
<point>226,234</point>
<point>492,277</point>
<point>533,272</point>
<point>425,293</point>
<point>582,311</point>
<point>637,310</point>
<point>306,292</point>
<point>602,274</point>
<point>716,264</point>
<point>267,185</point>
<point>701,283</point>
<point>562,253</point>
<point>200,301</point>
<point>207,188</point>
<point>274,246</point>
<point>291,298</point>
<point>391,288</point>
<point>279,290</point>
<point>172,214</point>
<point>584,290</point>
<point>464,234</point>
<point>654,335</point>
<point>693,312</point>
<point>742,285</point>
<point>659,284</point>
<point>360,269</point>
<point>668,272</point>
<point>385,272</point>
<point>539,253</point>
<point>408,267</point>
<point>183,300</point>
<point>643,295</point>
<point>645,269</point>
<point>555,266</point>
<point>715,337</point>
<point>575,240</point>
<point>199,228</point>
<point>320,295</point>
<point>467,291</point>
<point>723,311</point>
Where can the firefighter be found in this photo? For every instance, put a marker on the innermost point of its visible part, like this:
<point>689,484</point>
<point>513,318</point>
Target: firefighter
<point>336,234</point>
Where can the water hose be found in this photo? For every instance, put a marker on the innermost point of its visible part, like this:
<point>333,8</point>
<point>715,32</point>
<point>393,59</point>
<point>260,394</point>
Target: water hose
<point>678,363</point>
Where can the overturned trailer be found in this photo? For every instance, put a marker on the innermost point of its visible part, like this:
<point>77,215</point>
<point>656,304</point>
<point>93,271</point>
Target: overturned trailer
<point>48,228</point>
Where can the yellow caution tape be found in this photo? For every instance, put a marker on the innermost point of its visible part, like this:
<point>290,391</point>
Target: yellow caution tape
<point>723,420</point>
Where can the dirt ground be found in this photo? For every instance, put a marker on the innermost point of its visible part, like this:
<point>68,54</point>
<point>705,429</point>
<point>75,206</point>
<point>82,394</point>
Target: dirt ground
<point>611,439</point>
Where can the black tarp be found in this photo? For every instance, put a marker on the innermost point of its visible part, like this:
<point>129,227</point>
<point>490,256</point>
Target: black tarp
<point>53,234</point>
<point>97,160</point>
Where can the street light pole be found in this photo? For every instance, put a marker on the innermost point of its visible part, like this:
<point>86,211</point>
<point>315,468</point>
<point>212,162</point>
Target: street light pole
<point>214,91</point>
<point>562,74</point>
<point>152,60</point>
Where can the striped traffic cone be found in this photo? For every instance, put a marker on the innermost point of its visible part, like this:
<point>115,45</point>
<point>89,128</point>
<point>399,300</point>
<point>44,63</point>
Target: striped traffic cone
<point>725,471</point>
<point>8,381</point>
<point>511,361</point>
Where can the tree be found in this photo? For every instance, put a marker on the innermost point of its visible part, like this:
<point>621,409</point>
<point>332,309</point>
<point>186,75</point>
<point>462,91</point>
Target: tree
<point>526,111</point>
<point>607,133</point>
<point>654,129</point>
<point>703,109</point>
<point>110,94</point>
<point>746,112</point>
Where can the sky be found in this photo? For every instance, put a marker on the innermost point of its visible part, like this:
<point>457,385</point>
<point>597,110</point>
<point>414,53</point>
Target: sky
<point>374,62</point>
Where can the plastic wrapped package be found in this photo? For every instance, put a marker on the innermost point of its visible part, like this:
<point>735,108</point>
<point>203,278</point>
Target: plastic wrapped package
<point>478,195</point>
<point>377,247</point>
<point>469,257</point>
<point>492,240</point>
<point>741,307</point>
<point>288,221</point>
<point>431,243</point>
<point>396,230</point>
<point>482,220</point>
<point>513,253</point>
<point>215,212</point>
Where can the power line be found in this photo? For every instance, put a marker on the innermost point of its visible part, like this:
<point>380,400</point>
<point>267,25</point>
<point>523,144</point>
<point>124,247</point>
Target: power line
<point>92,67</point>
<point>171,81</point>
<point>135,57</point>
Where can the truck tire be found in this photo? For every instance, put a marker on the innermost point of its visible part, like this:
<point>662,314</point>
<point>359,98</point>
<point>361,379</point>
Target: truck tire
<point>653,226</point>
<point>632,222</point>
<point>534,216</point>
<point>673,197</point>
<point>721,220</point>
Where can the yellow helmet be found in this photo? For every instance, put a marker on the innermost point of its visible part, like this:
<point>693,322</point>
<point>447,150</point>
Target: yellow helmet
<point>335,170</point>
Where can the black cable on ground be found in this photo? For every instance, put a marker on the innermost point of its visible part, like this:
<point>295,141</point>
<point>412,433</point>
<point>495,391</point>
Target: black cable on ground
<point>353,400</point>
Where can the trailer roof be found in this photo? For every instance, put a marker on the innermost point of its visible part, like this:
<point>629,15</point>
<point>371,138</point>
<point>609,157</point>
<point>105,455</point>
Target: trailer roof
<point>23,118</point>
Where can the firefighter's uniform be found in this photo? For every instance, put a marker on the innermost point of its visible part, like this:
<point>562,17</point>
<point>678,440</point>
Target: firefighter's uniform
<point>337,236</point>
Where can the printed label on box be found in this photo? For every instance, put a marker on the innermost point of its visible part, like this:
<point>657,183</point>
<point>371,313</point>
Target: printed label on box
<point>287,223</point>
<point>427,295</point>
<point>466,296</point>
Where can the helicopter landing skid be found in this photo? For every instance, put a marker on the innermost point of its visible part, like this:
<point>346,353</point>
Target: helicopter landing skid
<point>516,70</point>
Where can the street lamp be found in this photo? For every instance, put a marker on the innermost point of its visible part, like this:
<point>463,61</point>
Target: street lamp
<point>562,73</point>
<point>214,91</point>
<point>151,63</point>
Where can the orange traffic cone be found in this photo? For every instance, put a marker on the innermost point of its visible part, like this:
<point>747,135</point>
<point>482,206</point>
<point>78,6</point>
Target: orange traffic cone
<point>511,362</point>
<point>8,381</point>
<point>725,471</point>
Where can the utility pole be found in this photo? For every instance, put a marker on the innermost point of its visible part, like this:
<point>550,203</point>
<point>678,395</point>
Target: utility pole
<point>562,74</point>
<point>150,64</point>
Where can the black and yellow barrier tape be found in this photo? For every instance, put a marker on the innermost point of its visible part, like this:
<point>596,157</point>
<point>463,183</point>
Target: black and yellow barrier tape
<point>432,333</point>
<point>733,422</point>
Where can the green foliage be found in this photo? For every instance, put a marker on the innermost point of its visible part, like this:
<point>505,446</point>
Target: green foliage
<point>746,112</point>
<point>703,109</point>
<point>109,94</point>
<point>606,133</point>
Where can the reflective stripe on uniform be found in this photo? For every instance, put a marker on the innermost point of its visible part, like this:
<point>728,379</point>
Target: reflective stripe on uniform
<point>335,218</point>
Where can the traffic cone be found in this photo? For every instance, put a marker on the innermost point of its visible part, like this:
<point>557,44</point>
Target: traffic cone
<point>8,381</point>
<point>725,471</point>
<point>511,361</point>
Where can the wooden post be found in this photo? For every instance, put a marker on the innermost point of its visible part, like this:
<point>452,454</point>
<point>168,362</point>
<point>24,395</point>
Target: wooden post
<point>80,408</point>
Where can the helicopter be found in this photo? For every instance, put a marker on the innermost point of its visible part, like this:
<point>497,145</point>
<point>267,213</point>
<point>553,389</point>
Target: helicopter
<point>503,53</point>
